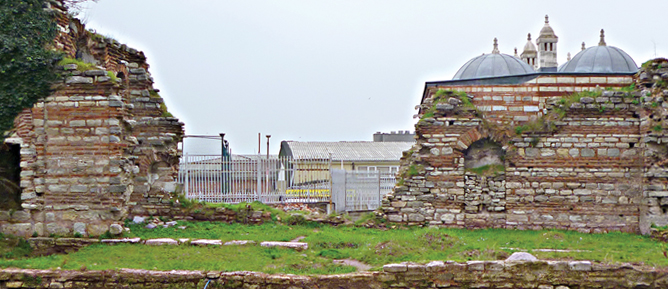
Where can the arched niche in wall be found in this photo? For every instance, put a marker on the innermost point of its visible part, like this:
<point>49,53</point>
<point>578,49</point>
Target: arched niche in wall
<point>484,156</point>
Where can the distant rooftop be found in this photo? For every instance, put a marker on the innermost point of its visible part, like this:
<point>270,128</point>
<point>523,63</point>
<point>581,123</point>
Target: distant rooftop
<point>394,136</point>
<point>345,150</point>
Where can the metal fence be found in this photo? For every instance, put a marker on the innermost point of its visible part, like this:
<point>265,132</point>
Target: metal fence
<point>247,178</point>
<point>272,180</point>
<point>359,191</point>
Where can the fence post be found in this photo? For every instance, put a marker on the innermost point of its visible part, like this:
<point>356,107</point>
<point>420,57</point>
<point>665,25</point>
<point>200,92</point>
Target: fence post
<point>379,197</point>
<point>187,177</point>
<point>259,176</point>
<point>331,188</point>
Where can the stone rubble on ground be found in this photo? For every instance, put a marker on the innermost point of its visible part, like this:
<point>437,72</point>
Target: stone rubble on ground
<point>293,245</point>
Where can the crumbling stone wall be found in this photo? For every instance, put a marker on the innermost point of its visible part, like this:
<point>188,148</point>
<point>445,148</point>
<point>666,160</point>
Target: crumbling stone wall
<point>592,164</point>
<point>437,274</point>
<point>101,146</point>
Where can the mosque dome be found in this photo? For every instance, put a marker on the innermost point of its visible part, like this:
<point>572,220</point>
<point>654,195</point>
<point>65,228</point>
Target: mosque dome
<point>492,65</point>
<point>601,59</point>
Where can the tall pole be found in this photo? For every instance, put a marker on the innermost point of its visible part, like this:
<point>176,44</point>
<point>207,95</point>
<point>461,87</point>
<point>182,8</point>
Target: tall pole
<point>223,181</point>
<point>267,167</point>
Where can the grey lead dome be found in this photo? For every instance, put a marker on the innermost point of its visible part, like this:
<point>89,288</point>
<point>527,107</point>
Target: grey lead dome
<point>601,59</point>
<point>492,65</point>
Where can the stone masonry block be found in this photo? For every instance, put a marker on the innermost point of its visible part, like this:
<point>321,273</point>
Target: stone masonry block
<point>79,80</point>
<point>586,152</point>
<point>117,189</point>
<point>77,123</point>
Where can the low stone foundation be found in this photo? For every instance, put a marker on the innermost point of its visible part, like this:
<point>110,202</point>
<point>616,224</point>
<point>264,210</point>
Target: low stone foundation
<point>245,215</point>
<point>437,274</point>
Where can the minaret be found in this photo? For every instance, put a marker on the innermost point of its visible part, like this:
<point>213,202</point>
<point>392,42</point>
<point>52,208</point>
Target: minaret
<point>496,47</point>
<point>547,48</point>
<point>529,54</point>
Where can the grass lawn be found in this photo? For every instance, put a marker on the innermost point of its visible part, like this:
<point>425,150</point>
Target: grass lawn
<point>371,246</point>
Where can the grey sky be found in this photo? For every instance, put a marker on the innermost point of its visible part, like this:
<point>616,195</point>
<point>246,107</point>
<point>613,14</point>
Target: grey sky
<point>340,70</point>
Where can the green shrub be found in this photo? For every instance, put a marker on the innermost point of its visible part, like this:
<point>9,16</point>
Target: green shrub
<point>12,247</point>
<point>333,254</point>
<point>296,219</point>
<point>27,64</point>
<point>414,170</point>
<point>107,235</point>
<point>112,75</point>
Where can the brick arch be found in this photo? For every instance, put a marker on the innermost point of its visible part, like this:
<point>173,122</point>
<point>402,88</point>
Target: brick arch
<point>472,135</point>
<point>477,133</point>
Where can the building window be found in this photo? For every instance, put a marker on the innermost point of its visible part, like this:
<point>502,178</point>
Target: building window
<point>381,169</point>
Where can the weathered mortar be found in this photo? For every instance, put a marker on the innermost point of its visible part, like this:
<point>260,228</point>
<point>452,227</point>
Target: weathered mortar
<point>95,149</point>
<point>588,170</point>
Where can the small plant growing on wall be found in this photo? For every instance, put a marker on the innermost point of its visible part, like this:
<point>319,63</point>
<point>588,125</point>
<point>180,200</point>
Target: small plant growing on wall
<point>413,170</point>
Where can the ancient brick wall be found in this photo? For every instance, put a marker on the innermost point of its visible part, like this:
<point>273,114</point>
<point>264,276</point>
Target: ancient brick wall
<point>578,164</point>
<point>98,147</point>
<point>521,102</point>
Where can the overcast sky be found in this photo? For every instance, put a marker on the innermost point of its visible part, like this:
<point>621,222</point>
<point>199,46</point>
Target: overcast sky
<point>340,70</point>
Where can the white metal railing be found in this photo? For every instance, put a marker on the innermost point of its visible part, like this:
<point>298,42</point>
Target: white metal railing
<point>360,190</point>
<point>247,178</point>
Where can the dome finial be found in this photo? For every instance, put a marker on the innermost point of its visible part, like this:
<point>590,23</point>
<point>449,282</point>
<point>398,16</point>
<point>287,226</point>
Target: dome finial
<point>602,41</point>
<point>496,46</point>
<point>529,37</point>
<point>516,53</point>
<point>547,20</point>
<point>583,45</point>
<point>568,57</point>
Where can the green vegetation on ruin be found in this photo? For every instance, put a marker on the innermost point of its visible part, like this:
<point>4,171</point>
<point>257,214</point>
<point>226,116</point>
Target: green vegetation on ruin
<point>84,66</point>
<point>488,170</point>
<point>242,209</point>
<point>545,123</point>
<point>375,247</point>
<point>536,126</point>
<point>163,106</point>
<point>81,65</point>
<point>27,64</point>
<point>413,170</point>
<point>442,95</point>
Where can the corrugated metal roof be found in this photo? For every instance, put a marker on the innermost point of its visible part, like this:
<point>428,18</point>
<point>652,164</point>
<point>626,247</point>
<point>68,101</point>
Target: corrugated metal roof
<point>349,151</point>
